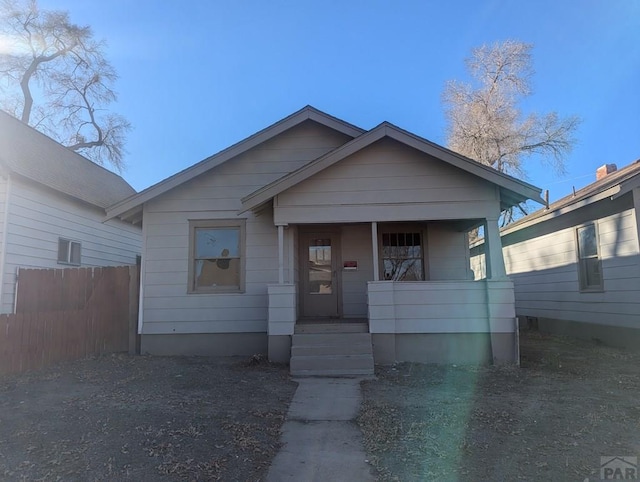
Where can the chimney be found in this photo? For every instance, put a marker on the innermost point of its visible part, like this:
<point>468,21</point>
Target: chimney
<point>602,171</point>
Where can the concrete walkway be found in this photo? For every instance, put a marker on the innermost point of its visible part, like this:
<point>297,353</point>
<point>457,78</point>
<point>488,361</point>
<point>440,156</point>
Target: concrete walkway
<point>321,439</point>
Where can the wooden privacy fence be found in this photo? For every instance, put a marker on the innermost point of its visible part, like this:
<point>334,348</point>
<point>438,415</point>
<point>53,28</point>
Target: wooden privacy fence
<point>67,314</point>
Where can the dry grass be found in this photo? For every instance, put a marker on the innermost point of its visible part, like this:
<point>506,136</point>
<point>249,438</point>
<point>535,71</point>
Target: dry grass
<point>143,419</point>
<point>552,419</point>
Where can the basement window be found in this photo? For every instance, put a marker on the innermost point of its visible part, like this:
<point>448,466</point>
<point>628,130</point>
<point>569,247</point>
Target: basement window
<point>69,252</point>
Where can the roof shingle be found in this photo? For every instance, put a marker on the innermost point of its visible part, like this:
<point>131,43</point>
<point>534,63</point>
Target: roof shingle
<point>33,155</point>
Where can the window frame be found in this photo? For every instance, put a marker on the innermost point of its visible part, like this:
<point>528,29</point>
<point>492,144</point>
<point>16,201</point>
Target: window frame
<point>403,229</point>
<point>582,270</point>
<point>194,224</point>
<point>69,252</point>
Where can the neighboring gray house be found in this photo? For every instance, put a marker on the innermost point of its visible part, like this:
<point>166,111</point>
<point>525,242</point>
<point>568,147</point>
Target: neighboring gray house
<point>315,225</point>
<point>52,209</point>
<point>576,265</point>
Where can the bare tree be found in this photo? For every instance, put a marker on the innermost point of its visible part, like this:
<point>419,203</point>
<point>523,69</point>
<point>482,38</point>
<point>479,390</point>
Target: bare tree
<point>53,76</point>
<point>485,122</point>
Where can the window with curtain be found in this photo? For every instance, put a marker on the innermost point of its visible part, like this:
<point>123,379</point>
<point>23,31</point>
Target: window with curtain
<point>216,256</point>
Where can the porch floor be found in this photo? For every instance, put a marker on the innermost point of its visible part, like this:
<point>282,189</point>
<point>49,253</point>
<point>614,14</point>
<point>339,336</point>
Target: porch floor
<point>326,320</point>
<point>332,326</point>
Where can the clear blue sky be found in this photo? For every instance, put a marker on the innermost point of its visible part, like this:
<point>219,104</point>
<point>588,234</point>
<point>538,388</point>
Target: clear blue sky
<point>197,76</point>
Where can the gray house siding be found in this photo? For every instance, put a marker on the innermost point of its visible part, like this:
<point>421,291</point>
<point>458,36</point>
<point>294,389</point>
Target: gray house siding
<point>356,246</point>
<point>167,307</point>
<point>38,216</point>
<point>542,260</point>
<point>4,193</point>
<point>387,181</point>
<point>307,194</point>
<point>448,253</point>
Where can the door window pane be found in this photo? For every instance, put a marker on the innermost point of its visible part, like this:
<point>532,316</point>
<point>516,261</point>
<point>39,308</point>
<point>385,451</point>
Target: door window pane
<point>320,267</point>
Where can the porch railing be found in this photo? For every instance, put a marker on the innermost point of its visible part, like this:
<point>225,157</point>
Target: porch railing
<point>441,306</point>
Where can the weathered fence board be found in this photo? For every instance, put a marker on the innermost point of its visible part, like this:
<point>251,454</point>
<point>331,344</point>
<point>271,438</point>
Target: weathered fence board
<point>67,314</point>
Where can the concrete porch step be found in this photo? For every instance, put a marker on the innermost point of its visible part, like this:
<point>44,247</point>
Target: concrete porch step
<point>333,373</point>
<point>357,348</point>
<point>331,354</point>
<point>331,339</point>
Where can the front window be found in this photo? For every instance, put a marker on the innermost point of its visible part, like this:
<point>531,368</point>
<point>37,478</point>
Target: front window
<point>402,256</point>
<point>216,260</point>
<point>589,266</point>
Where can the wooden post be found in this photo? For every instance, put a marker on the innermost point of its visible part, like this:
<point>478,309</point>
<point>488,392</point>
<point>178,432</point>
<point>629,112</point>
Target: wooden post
<point>134,281</point>
<point>292,259</point>
<point>493,250</point>
<point>374,245</point>
<point>280,254</point>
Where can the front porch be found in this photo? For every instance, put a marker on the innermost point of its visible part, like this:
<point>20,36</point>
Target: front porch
<point>429,320</point>
<point>387,216</point>
<point>426,322</point>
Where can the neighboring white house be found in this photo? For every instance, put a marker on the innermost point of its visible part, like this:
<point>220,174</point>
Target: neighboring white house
<point>52,209</point>
<point>576,265</point>
<point>313,220</point>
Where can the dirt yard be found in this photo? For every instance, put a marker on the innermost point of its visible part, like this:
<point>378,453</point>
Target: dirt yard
<point>143,419</point>
<point>570,403</point>
<point>165,419</point>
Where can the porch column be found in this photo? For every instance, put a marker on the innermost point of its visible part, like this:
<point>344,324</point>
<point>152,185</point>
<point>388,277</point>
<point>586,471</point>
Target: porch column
<point>292,259</point>
<point>374,245</point>
<point>501,313</point>
<point>282,308</point>
<point>493,250</point>
<point>280,254</point>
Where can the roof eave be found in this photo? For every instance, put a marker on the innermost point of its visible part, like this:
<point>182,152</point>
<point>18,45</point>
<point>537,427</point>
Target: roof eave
<point>132,216</point>
<point>628,185</point>
<point>610,193</point>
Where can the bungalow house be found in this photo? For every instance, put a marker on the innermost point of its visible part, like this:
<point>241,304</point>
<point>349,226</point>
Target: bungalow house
<point>576,265</point>
<point>52,208</point>
<point>314,237</point>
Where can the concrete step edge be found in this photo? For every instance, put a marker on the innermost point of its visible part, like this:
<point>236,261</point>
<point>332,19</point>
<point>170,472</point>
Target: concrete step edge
<point>331,338</point>
<point>328,351</point>
<point>332,373</point>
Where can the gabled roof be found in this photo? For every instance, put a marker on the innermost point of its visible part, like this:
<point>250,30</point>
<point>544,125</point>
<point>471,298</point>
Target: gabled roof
<point>130,208</point>
<point>35,156</point>
<point>613,185</point>
<point>512,190</point>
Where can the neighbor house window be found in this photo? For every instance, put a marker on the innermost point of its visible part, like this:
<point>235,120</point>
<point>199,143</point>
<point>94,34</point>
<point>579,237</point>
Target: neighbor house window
<point>216,260</point>
<point>402,256</point>
<point>589,266</point>
<point>69,252</point>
